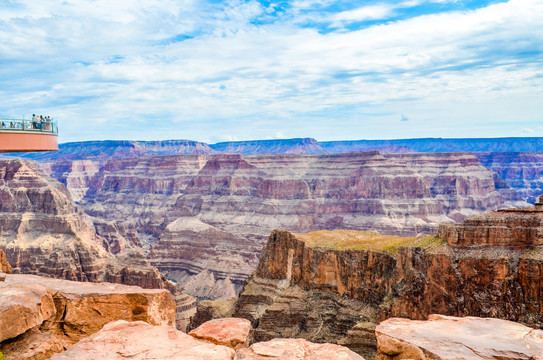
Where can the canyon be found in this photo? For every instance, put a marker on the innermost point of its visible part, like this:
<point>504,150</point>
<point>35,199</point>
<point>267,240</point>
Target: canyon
<point>203,219</point>
<point>44,233</point>
<point>336,286</point>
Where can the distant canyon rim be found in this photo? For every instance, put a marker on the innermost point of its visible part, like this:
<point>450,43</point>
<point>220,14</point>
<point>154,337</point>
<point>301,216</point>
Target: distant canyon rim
<point>201,214</point>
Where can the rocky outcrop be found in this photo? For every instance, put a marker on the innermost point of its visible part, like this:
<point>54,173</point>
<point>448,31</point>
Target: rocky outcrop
<point>213,341</point>
<point>508,228</point>
<point>141,341</point>
<point>209,215</point>
<point>41,316</point>
<point>286,349</point>
<point>44,233</point>
<point>449,338</point>
<point>522,171</point>
<point>231,332</point>
<point>336,285</point>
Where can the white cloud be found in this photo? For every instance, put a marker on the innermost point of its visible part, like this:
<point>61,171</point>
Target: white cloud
<point>119,63</point>
<point>364,13</point>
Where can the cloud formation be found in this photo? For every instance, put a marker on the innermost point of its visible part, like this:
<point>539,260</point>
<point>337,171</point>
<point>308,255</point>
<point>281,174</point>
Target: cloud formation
<point>195,69</point>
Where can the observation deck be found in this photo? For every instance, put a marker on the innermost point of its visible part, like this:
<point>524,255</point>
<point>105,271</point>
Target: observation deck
<point>21,135</point>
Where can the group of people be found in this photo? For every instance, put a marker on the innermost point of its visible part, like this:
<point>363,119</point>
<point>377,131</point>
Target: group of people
<point>41,122</point>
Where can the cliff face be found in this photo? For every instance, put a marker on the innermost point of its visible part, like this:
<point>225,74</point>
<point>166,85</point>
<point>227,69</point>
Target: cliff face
<point>522,171</point>
<point>212,213</point>
<point>322,286</point>
<point>41,316</point>
<point>42,232</point>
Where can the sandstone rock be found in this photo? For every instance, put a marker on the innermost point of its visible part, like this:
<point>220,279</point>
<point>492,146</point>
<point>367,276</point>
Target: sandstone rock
<point>41,315</point>
<point>445,337</point>
<point>45,233</point>
<point>321,286</point>
<point>511,228</point>
<point>22,307</point>
<point>231,332</point>
<point>185,310</point>
<point>211,214</point>
<point>287,349</point>
<point>139,341</point>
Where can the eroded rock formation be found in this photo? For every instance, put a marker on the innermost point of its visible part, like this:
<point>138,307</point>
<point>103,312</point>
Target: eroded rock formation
<point>44,233</point>
<point>141,341</point>
<point>286,349</point>
<point>335,286</point>
<point>212,341</point>
<point>451,338</point>
<point>209,215</point>
<point>231,332</point>
<point>522,171</point>
<point>41,316</point>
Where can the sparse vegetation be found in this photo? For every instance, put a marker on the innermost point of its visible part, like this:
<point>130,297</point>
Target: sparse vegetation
<point>366,240</point>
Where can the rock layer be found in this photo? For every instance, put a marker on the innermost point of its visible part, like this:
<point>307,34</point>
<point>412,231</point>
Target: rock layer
<point>286,349</point>
<point>328,287</point>
<point>522,171</point>
<point>450,338</point>
<point>141,341</point>
<point>231,332</point>
<point>209,214</point>
<point>40,316</point>
<point>44,233</point>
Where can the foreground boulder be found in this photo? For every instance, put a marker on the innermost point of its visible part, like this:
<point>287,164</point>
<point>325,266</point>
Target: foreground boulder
<point>448,338</point>
<point>231,332</point>
<point>142,341</point>
<point>40,316</point>
<point>139,341</point>
<point>287,349</point>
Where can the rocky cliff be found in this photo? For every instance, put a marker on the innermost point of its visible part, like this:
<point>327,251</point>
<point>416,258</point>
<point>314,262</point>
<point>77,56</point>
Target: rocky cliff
<point>209,215</point>
<point>452,338</point>
<point>335,286</point>
<point>44,233</point>
<point>522,171</point>
<point>41,316</point>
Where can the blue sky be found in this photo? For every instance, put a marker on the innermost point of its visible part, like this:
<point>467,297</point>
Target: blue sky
<point>238,70</point>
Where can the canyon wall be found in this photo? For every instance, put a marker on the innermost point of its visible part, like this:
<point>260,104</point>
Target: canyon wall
<point>209,215</point>
<point>522,171</point>
<point>41,316</point>
<point>515,160</point>
<point>44,233</point>
<point>336,286</point>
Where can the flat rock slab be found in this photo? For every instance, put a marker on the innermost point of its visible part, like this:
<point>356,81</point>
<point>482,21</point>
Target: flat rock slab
<point>448,338</point>
<point>139,341</point>
<point>89,306</point>
<point>231,332</point>
<point>41,316</point>
<point>299,349</point>
<point>22,307</point>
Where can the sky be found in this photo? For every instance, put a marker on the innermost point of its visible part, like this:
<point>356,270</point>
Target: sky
<point>238,70</point>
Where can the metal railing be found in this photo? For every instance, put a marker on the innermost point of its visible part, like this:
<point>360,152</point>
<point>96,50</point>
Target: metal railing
<point>32,126</point>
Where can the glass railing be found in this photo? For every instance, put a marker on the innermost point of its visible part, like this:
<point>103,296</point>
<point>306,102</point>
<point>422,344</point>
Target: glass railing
<point>34,126</point>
